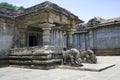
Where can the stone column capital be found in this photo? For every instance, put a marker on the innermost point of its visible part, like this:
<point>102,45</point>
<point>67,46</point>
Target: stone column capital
<point>46,25</point>
<point>46,29</point>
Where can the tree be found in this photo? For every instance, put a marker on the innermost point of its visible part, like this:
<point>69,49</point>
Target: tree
<point>7,5</point>
<point>20,8</point>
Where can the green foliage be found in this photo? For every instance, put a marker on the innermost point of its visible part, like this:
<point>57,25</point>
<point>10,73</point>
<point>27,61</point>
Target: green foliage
<point>20,8</point>
<point>5,4</point>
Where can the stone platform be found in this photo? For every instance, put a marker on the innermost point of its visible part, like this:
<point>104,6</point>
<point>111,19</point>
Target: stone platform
<point>89,67</point>
<point>45,57</point>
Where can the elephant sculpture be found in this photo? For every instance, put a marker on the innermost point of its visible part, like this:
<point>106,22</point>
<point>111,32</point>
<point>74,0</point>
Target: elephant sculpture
<point>88,56</point>
<point>72,57</point>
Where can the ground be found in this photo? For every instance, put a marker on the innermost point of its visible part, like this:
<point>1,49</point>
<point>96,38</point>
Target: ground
<point>113,73</point>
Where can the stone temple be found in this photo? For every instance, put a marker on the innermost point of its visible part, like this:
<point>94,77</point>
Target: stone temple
<point>50,24</point>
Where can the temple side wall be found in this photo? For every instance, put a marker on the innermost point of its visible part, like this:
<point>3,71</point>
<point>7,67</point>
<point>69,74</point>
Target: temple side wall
<point>103,40</point>
<point>6,38</point>
<point>106,40</point>
<point>57,39</point>
<point>79,41</point>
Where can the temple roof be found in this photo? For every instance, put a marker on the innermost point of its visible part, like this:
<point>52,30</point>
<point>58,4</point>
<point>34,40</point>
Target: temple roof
<point>97,21</point>
<point>37,8</point>
<point>110,20</point>
<point>7,12</point>
<point>47,5</point>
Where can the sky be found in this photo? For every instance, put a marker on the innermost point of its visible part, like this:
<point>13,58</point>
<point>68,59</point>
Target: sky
<point>84,9</point>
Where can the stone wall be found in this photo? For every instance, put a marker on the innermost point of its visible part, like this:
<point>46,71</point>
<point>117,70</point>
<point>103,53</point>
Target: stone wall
<point>57,38</point>
<point>107,37</point>
<point>79,41</point>
<point>6,38</point>
<point>104,40</point>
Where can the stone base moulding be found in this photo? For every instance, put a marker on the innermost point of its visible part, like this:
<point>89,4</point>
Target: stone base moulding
<point>105,52</point>
<point>42,58</point>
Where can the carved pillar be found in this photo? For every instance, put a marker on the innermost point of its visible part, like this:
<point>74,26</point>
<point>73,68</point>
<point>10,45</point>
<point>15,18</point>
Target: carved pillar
<point>46,32</point>
<point>70,38</point>
<point>46,36</point>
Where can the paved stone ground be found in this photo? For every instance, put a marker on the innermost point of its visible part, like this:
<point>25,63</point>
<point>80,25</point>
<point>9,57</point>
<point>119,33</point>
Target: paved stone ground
<point>113,73</point>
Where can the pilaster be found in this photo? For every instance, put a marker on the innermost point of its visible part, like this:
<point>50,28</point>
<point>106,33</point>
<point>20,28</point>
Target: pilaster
<point>91,37</point>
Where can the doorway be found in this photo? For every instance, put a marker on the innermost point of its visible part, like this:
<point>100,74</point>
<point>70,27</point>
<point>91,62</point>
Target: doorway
<point>32,41</point>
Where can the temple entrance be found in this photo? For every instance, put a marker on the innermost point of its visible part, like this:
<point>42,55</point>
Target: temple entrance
<point>34,37</point>
<point>32,41</point>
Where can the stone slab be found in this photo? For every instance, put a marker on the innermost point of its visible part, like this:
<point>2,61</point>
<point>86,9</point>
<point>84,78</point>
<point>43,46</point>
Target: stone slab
<point>89,67</point>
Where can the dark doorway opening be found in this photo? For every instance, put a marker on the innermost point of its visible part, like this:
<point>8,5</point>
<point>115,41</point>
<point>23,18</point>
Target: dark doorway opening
<point>32,41</point>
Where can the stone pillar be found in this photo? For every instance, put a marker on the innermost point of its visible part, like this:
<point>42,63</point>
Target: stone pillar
<point>46,36</point>
<point>61,39</point>
<point>87,41</point>
<point>83,42</point>
<point>70,38</point>
<point>76,41</point>
<point>57,38</point>
<point>65,40</point>
<point>91,36</point>
<point>46,32</point>
<point>54,38</point>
